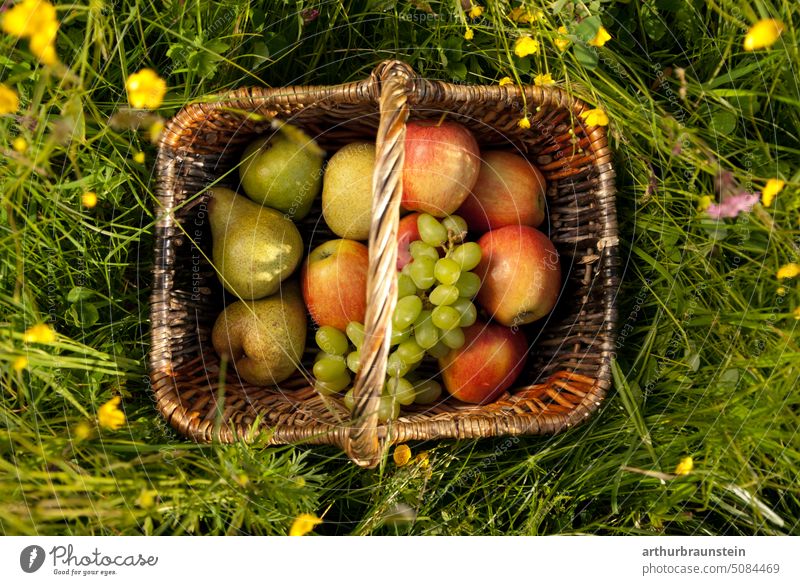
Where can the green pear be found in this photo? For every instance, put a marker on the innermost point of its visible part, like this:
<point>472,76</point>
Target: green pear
<point>254,247</point>
<point>264,339</point>
<point>283,172</point>
<point>347,191</point>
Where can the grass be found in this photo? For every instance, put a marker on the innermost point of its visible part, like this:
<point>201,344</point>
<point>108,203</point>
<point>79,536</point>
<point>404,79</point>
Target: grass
<point>707,361</point>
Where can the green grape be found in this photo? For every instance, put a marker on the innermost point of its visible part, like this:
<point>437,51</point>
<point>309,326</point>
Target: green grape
<point>456,227</point>
<point>454,338</point>
<point>444,295</point>
<point>425,332</point>
<point>405,286</point>
<point>430,230</point>
<point>428,392</point>
<point>421,273</point>
<point>355,331</point>
<point>467,310</point>
<point>398,337</point>
<point>406,270</point>
<point>329,387</point>
<point>331,340</point>
<point>354,361</point>
<point>445,317</point>
<point>388,409</point>
<point>446,271</point>
<point>468,255</point>
<point>468,284</point>
<point>420,249</point>
<point>439,350</point>
<point>402,390</point>
<point>397,366</point>
<point>406,312</point>
<point>410,351</point>
<point>329,367</point>
<point>349,400</point>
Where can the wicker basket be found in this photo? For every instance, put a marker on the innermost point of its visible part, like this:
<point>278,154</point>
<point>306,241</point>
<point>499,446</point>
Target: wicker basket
<point>568,371</point>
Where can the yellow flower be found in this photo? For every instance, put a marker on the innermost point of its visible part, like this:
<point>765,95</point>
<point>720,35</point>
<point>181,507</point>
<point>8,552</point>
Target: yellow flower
<point>772,188</point>
<point>476,12</point>
<point>146,498</point>
<point>41,333</point>
<point>763,34</point>
<point>524,16</point>
<point>110,416</point>
<point>705,201</point>
<point>796,313</point>
<point>685,466</point>
<point>595,117</point>
<point>601,38</point>
<point>524,123</point>
<point>504,81</point>
<point>304,524</point>
<point>562,42</point>
<point>29,17</point>
<point>788,271</point>
<point>43,43</point>
<point>9,100</point>
<point>469,34</point>
<point>19,144</point>
<point>543,79</point>
<point>155,130</point>
<point>138,157</point>
<point>781,290</point>
<point>423,460</point>
<point>526,46</point>
<point>82,431</point>
<point>146,89</point>
<point>20,364</point>
<point>89,199</point>
<point>401,455</point>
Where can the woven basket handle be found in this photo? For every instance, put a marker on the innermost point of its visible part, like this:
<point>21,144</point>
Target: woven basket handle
<point>361,441</point>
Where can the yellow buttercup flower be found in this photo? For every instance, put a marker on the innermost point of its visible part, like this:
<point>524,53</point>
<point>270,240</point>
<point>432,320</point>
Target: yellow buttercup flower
<point>41,333</point>
<point>524,16</point>
<point>42,43</point>
<point>110,416</point>
<point>155,130</point>
<point>543,79</point>
<point>562,42</point>
<point>763,34</point>
<point>138,157</point>
<point>303,524</point>
<point>423,460</point>
<point>9,100</point>
<point>770,190</point>
<point>504,81</point>
<point>19,364</point>
<point>401,455</point>
<point>595,117</point>
<point>82,431</point>
<point>524,123</point>
<point>476,12</point>
<point>89,199</point>
<point>788,271</point>
<point>19,144</point>
<point>685,466</point>
<point>796,313</point>
<point>146,89</point>
<point>28,18</point>
<point>469,34</point>
<point>526,46</point>
<point>601,38</point>
<point>705,201</point>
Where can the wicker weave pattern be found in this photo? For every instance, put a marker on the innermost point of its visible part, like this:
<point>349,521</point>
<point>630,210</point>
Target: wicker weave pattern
<point>568,371</point>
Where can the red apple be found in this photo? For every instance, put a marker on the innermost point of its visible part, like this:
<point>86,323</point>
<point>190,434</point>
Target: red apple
<point>486,365</point>
<point>509,191</point>
<point>334,279</point>
<point>407,232</point>
<point>441,166</point>
<point>520,273</point>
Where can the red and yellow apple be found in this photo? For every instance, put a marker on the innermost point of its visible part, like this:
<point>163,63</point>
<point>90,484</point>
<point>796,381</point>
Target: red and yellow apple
<point>441,166</point>
<point>509,191</point>
<point>407,232</point>
<point>520,274</point>
<point>334,281</point>
<point>486,365</point>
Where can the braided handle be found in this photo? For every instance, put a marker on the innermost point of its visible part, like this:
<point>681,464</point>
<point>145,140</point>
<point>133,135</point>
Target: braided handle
<point>361,441</point>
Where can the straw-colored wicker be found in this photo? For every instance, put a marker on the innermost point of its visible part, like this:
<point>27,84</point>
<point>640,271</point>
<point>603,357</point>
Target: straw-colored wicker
<point>568,370</point>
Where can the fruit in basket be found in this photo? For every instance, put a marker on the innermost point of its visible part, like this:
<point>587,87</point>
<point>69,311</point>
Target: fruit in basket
<point>407,232</point>
<point>334,280</point>
<point>509,191</point>
<point>264,339</point>
<point>486,365</point>
<point>520,274</point>
<point>254,247</point>
<point>347,191</point>
<point>283,171</point>
<point>441,166</point>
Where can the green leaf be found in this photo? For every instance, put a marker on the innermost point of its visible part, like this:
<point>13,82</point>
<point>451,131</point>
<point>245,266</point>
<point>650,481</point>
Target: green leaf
<point>586,56</point>
<point>79,293</point>
<point>587,29</point>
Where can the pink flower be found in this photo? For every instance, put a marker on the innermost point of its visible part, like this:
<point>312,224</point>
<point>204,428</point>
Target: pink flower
<point>733,205</point>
